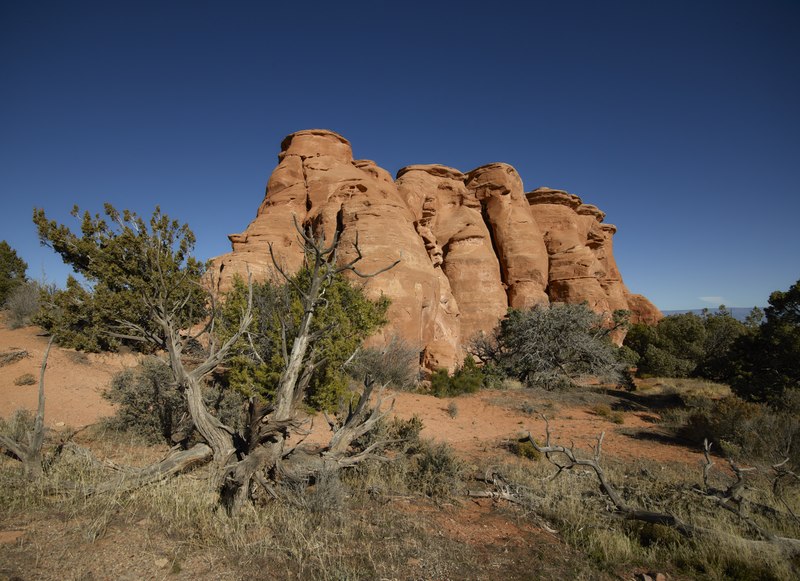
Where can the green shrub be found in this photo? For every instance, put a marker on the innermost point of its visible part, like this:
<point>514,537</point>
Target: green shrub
<point>12,271</point>
<point>743,429</point>
<point>685,345</point>
<point>468,378</point>
<point>764,364</point>
<point>658,362</point>
<point>344,319</point>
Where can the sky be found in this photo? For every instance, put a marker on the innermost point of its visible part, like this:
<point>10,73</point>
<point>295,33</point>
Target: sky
<point>679,119</point>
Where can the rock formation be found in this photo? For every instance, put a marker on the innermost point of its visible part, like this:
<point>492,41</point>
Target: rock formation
<point>470,245</point>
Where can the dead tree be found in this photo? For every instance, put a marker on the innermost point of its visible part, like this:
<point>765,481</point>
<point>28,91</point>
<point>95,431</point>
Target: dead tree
<point>163,279</point>
<point>265,458</point>
<point>565,458</point>
<point>29,451</point>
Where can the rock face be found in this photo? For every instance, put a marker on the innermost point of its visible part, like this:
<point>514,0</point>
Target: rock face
<point>470,245</point>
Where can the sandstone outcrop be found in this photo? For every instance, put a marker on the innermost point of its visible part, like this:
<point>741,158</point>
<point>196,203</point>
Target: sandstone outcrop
<point>470,245</point>
<point>516,235</point>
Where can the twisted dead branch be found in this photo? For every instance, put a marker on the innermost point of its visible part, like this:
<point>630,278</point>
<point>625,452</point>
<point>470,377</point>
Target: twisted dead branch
<point>29,450</point>
<point>565,458</point>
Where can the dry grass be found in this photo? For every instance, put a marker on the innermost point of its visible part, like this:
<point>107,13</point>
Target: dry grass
<point>383,520</point>
<point>573,505</point>
<point>686,388</point>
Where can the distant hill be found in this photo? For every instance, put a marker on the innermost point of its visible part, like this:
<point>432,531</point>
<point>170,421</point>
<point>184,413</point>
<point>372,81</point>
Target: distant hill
<point>738,313</point>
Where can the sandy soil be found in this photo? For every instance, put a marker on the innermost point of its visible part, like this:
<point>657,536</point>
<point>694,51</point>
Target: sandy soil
<point>74,381</point>
<point>473,425</point>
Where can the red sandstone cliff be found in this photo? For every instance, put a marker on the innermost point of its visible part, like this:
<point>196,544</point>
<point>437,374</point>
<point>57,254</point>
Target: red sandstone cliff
<point>470,245</point>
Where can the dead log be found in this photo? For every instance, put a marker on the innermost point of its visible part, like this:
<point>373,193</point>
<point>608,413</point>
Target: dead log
<point>176,462</point>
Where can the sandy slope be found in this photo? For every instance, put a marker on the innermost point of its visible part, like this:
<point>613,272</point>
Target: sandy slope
<point>482,422</point>
<point>74,381</point>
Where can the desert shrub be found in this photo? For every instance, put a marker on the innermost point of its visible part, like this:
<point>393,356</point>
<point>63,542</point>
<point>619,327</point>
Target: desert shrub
<point>18,426</point>
<point>341,323</point>
<point>742,429</point>
<point>436,471</point>
<point>551,346</point>
<point>604,411</point>
<point>23,303</point>
<point>468,378</point>
<point>686,345</point>
<point>150,404</point>
<point>396,364</point>
<point>524,449</point>
<point>327,496</point>
<point>452,410</point>
<point>397,434</point>
<point>25,379</point>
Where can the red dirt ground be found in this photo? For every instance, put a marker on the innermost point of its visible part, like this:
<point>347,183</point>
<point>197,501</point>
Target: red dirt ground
<point>74,383</point>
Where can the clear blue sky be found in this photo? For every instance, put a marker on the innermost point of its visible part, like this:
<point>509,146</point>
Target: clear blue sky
<point>680,119</point>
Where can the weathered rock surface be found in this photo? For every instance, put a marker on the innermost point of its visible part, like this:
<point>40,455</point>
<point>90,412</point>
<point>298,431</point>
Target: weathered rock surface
<point>517,238</point>
<point>575,272</point>
<point>470,245</point>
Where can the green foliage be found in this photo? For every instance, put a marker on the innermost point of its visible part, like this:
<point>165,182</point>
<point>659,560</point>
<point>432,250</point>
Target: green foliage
<point>12,271</point>
<point>468,378</point>
<point>743,429</point>
<point>657,362</point>
<point>70,314</point>
<point>150,404</point>
<point>765,363</point>
<point>686,345</point>
<point>136,271</point>
<point>552,345</point>
<point>628,356</point>
<point>524,449</point>
<point>344,319</point>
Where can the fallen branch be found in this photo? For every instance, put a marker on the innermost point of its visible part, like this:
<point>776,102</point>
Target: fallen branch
<point>790,547</point>
<point>177,461</point>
